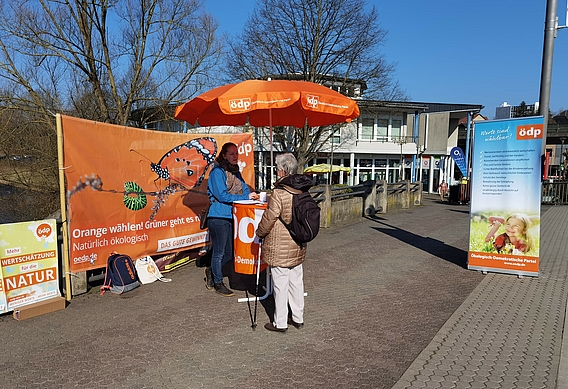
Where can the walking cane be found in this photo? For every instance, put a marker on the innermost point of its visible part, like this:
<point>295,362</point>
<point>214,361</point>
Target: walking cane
<point>253,319</point>
<point>257,282</point>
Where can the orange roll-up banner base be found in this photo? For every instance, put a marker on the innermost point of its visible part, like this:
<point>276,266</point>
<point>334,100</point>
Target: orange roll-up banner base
<point>246,217</point>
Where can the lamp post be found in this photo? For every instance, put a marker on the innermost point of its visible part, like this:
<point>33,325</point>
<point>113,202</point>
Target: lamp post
<point>329,178</point>
<point>401,140</point>
<point>550,31</point>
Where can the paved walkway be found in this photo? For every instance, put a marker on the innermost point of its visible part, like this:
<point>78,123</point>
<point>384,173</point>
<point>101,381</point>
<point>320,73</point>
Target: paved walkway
<point>390,304</point>
<point>509,331</point>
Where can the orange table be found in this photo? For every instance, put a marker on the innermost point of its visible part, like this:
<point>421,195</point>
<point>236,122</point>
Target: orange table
<point>248,256</point>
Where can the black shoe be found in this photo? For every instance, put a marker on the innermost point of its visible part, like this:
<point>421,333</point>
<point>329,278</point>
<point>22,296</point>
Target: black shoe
<point>293,323</point>
<point>208,278</point>
<point>270,327</point>
<point>223,290</point>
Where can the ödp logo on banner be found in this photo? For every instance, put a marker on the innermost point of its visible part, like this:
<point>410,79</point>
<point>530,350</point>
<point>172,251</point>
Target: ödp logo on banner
<point>246,227</point>
<point>245,149</point>
<point>531,131</point>
<point>44,230</point>
<point>312,101</point>
<point>239,105</point>
<point>247,247</point>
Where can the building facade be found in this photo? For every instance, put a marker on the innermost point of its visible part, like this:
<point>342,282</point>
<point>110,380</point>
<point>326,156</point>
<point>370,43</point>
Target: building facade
<point>382,144</point>
<point>389,141</point>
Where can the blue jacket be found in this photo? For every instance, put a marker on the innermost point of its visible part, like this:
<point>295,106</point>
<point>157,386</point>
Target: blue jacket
<point>221,200</point>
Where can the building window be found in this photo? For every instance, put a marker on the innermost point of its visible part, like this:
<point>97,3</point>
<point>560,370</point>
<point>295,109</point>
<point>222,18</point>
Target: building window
<point>382,162</point>
<point>380,169</point>
<point>382,129</point>
<point>381,174</point>
<point>395,129</point>
<point>367,127</point>
<point>394,162</point>
<point>377,169</point>
<point>393,176</point>
<point>336,137</point>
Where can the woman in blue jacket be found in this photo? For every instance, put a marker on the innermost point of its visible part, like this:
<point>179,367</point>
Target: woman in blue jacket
<point>225,185</point>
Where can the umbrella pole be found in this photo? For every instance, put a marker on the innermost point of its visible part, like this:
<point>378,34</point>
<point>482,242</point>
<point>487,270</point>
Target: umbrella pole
<point>271,149</point>
<point>331,160</point>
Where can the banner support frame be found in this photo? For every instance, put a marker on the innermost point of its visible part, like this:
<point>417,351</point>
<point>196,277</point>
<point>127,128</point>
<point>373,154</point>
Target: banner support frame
<point>63,203</point>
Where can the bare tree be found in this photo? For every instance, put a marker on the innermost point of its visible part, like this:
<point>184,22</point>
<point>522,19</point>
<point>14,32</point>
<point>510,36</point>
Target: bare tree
<point>101,59</point>
<point>28,167</point>
<point>121,54</point>
<point>317,41</point>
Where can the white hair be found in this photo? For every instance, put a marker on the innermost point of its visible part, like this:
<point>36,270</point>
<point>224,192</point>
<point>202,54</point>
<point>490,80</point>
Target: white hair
<point>287,162</point>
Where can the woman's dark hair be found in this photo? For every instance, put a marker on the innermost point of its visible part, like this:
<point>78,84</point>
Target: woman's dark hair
<point>221,156</point>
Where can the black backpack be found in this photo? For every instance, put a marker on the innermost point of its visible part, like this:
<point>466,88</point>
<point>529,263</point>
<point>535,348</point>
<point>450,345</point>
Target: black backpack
<point>120,274</point>
<point>305,223</point>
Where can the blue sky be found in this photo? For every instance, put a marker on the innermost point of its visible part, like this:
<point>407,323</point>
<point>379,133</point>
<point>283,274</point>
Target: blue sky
<point>447,51</point>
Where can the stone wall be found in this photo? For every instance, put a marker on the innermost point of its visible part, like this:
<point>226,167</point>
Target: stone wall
<point>368,199</point>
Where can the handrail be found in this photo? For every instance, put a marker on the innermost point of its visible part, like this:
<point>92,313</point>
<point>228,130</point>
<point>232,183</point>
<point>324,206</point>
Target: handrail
<point>379,187</point>
<point>318,194</point>
<point>555,192</point>
<point>414,187</point>
<point>396,187</point>
<point>349,194</point>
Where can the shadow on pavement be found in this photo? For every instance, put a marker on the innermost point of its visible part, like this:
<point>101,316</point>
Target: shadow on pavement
<point>429,245</point>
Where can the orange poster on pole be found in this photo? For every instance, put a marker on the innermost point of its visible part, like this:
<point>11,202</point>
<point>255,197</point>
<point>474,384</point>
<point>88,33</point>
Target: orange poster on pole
<point>138,192</point>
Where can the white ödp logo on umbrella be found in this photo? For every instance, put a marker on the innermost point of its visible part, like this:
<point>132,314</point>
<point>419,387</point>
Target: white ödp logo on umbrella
<point>239,105</point>
<point>312,101</point>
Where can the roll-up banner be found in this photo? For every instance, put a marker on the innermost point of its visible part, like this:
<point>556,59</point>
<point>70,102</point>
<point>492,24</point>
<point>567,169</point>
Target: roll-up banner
<point>506,195</point>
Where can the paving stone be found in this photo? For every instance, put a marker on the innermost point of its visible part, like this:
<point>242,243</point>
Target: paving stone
<point>514,324</point>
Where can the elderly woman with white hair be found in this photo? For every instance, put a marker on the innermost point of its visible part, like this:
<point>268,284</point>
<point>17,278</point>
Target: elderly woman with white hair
<point>279,250</point>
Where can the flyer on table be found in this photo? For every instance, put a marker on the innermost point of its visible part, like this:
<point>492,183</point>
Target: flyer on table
<point>138,192</point>
<point>29,263</point>
<point>506,195</point>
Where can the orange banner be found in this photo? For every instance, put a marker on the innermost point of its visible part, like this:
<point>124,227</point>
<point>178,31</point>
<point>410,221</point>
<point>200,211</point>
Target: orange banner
<point>246,216</point>
<point>503,262</point>
<point>138,192</point>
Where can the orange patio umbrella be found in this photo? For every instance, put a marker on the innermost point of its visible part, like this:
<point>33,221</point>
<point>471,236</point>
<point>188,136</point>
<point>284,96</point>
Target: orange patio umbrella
<point>269,103</point>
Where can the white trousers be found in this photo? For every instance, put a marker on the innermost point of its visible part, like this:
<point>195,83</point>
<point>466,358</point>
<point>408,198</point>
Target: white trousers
<point>288,290</point>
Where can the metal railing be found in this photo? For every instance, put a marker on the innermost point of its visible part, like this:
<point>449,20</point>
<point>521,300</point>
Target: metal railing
<point>342,192</point>
<point>379,187</point>
<point>415,186</point>
<point>318,194</point>
<point>396,187</point>
<point>555,193</point>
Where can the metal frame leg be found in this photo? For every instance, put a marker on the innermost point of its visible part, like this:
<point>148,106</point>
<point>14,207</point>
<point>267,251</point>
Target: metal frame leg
<point>267,288</point>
